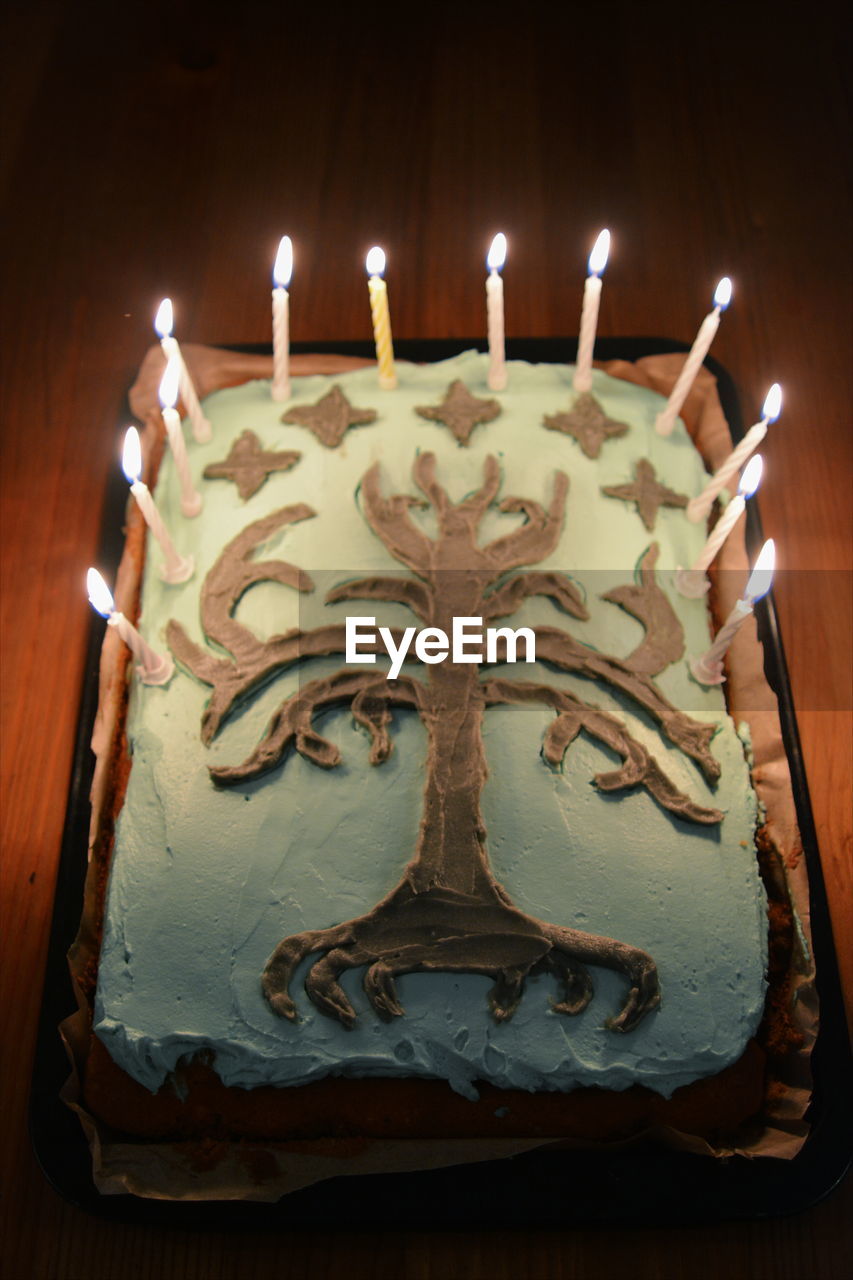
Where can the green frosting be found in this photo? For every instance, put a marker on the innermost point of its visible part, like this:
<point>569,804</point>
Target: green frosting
<point>208,880</point>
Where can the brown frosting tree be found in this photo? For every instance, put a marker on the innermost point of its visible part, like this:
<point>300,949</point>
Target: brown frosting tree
<point>448,912</point>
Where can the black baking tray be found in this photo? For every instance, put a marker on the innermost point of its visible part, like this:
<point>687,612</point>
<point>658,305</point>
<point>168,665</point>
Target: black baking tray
<point>642,1184</point>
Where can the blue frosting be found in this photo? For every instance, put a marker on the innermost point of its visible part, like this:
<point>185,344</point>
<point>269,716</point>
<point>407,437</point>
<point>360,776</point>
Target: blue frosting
<point>205,881</point>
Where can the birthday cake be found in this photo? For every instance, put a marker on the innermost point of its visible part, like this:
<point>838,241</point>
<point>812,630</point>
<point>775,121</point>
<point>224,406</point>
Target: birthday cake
<point>431,807</point>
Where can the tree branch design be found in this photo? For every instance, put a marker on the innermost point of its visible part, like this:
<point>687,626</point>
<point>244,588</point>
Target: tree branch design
<point>448,912</point>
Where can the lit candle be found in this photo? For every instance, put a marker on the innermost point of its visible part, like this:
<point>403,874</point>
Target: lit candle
<point>692,582</point>
<point>163,322</point>
<point>153,668</point>
<point>589,312</point>
<point>698,508</point>
<point>709,326</point>
<point>281,273</point>
<point>495,312</point>
<point>175,568</point>
<point>190,498</point>
<point>709,668</point>
<point>381,319</point>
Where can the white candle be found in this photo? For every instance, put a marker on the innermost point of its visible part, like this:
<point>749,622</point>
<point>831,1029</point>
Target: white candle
<point>698,508</point>
<point>495,312</point>
<point>190,498</point>
<point>589,312</point>
<point>163,323</point>
<point>709,326</point>
<point>709,668</point>
<point>692,582</point>
<point>153,667</point>
<point>381,318</point>
<point>281,273</point>
<point>175,568</point>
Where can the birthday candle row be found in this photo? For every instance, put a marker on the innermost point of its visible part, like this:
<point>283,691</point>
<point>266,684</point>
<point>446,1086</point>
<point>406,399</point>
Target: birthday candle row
<point>497,376</point>
<point>698,508</point>
<point>177,380</point>
<point>690,582</point>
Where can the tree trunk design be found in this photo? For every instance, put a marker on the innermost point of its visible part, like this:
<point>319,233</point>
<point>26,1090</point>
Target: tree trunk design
<point>448,912</point>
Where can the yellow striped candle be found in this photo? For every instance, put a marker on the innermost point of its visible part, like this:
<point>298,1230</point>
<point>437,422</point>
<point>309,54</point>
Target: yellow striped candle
<point>381,318</point>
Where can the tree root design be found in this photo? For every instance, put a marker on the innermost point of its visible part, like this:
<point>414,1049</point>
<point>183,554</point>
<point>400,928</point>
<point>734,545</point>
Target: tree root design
<point>443,931</point>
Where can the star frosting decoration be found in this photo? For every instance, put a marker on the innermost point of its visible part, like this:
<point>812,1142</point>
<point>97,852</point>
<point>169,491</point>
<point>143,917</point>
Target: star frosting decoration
<point>460,411</point>
<point>330,418</point>
<point>248,465</point>
<point>587,422</point>
<point>647,492</point>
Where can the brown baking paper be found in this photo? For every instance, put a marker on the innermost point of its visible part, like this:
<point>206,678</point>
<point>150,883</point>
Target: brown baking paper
<point>268,1171</point>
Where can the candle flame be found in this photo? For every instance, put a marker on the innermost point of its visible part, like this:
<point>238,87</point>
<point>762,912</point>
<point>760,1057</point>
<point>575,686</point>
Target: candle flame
<point>283,268</point>
<point>100,596</point>
<point>751,477</point>
<point>723,293</point>
<point>772,403</point>
<point>164,319</point>
<point>170,382</point>
<point>131,457</point>
<point>375,262</point>
<point>496,256</point>
<point>600,253</point>
<point>762,574</point>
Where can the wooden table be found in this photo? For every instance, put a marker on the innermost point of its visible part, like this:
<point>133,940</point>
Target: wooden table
<point>164,149</point>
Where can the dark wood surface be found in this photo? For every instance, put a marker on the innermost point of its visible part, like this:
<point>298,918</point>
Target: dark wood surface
<point>164,148</point>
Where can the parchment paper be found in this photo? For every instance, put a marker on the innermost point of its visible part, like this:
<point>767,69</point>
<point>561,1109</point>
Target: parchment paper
<point>267,1171</point>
